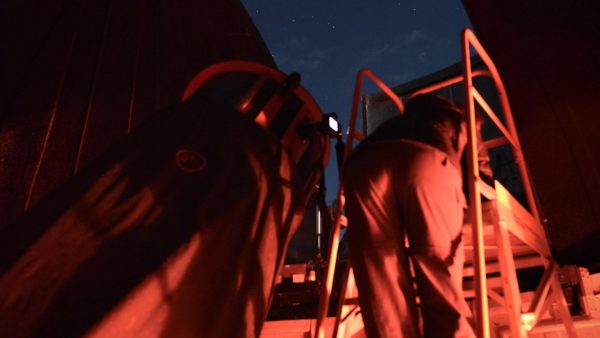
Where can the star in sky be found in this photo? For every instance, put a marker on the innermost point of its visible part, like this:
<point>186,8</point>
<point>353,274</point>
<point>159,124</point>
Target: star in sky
<point>343,36</point>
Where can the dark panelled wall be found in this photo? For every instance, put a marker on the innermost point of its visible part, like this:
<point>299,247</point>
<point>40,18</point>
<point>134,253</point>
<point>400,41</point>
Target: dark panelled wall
<point>549,59</point>
<point>77,76</point>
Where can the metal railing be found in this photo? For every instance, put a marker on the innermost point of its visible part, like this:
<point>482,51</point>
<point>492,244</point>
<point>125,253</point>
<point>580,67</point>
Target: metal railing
<point>519,322</point>
<point>327,284</point>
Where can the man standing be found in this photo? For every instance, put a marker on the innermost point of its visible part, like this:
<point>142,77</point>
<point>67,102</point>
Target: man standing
<point>405,179</point>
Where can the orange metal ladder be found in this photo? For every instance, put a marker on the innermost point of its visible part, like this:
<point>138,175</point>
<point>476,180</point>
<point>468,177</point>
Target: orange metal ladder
<point>512,218</point>
<point>511,223</point>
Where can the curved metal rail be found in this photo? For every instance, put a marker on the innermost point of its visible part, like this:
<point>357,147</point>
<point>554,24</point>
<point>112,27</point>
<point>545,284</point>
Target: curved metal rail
<point>335,232</point>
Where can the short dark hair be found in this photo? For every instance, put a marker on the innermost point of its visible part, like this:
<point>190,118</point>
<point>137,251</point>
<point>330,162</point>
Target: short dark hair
<point>433,108</point>
<point>434,120</point>
<point>427,118</point>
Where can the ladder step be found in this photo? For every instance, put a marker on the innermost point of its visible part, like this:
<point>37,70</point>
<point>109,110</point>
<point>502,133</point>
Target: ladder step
<point>520,222</point>
<point>523,262</point>
<point>486,190</point>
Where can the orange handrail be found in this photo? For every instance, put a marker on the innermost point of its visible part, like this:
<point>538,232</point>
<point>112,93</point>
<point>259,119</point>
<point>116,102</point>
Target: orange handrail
<point>482,326</point>
<point>448,82</point>
<point>510,134</point>
<point>469,38</point>
<point>335,233</point>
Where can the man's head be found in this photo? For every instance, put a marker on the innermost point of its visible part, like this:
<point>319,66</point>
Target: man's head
<point>434,117</point>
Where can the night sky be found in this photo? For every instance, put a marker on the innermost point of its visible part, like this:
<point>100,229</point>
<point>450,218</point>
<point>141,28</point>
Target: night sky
<point>329,41</point>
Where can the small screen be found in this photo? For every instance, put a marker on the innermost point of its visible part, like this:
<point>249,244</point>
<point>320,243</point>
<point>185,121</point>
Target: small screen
<point>333,124</point>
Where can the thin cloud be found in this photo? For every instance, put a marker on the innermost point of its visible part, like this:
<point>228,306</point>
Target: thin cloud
<point>296,54</point>
<point>414,35</point>
<point>396,46</point>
